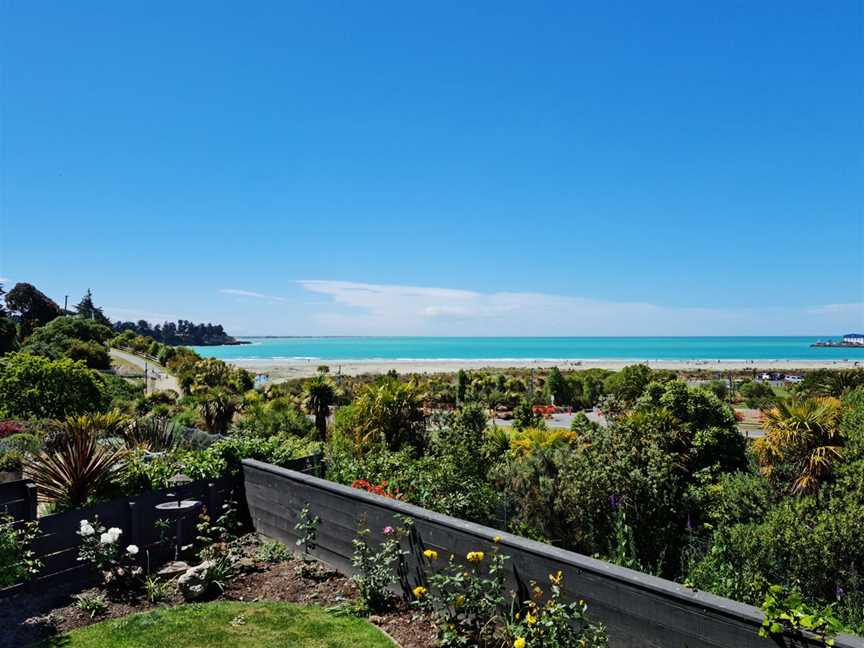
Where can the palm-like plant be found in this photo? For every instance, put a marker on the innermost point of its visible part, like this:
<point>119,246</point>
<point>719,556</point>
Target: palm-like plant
<point>319,394</point>
<point>217,407</point>
<point>389,412</point>
<point>805,435</point>
<point>837,383</point>
<point>79,467</point>
<point>152,434</point>
<point>531,440</point>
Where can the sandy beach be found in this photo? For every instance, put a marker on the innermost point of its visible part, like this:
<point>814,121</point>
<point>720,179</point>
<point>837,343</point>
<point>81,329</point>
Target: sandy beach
<point>279,370</point>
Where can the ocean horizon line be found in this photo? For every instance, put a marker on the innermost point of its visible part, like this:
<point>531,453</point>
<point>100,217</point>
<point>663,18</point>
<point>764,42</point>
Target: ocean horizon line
<point>525,337</point>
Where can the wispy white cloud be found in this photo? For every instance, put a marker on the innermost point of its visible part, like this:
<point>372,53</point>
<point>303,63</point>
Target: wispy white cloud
<point>134,314</point>
<point>250,293</point>
<point>837,309</point>
<point>5,280</point>
<point>363,308</point>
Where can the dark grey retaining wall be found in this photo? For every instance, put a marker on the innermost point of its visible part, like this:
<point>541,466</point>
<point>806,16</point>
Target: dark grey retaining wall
<point>640,611</point>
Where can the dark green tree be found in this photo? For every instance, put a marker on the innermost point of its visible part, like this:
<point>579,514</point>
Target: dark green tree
<point>557,388</point>
<point>88,310</point>
<point>31,307</point>
<point>72,337</point>
<point>461,385</point>
<point>8,330</point>
<point>525,417</point>
<point>319,394</point>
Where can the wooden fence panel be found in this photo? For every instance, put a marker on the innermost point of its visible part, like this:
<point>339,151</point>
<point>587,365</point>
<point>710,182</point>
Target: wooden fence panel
<point>18,499</point>
<point>640,611</point>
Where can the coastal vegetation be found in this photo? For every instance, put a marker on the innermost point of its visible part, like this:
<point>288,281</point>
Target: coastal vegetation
<point>179,333</point>
<point>652,473</point>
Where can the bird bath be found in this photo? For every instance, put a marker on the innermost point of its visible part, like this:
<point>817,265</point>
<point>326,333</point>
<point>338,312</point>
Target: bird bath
<point>177,510</point>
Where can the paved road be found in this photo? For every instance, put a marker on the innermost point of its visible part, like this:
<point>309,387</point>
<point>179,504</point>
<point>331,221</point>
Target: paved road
<point>158,378</point>
<point>562,420</point>
<point>749,427</point>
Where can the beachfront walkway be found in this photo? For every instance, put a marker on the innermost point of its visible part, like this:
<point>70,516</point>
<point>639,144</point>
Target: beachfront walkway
<point>158,378</point>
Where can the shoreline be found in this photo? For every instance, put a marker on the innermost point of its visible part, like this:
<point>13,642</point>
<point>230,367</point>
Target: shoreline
<point>280,369</point>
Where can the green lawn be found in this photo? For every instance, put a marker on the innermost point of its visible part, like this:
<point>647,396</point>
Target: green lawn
<point>228,625</point>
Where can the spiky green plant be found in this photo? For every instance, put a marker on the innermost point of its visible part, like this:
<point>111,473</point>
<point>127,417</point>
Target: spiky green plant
<point>154,434</point>
<point>78,467</point>
<point>805,435</point>
<point>319,393</point>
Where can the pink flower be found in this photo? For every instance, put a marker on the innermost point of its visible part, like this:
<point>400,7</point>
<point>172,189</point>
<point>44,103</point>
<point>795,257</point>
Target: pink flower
<point>389,531</point>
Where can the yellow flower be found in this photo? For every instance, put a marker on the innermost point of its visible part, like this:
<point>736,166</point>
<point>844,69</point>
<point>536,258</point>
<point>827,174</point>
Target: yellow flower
<point>556,579</point>
<point>431,554</point>
<point>496,539</point>
<point>419,591</point>
<point>460,601</point>
<point>530,619</point>
<point>476,556</point>
<point>519,643</point>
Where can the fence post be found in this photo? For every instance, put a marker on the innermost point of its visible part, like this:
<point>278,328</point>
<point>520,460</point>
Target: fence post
<point>32,506</point>
<point>211,501</point>
<point>134,530</point>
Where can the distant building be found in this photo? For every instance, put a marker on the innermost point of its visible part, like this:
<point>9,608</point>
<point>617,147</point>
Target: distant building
<point>854,338</point>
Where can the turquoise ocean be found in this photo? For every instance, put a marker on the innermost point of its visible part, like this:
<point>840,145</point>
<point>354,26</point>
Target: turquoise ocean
<point>532,348</point>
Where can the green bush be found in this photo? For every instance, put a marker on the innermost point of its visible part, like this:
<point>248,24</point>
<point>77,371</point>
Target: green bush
<point>813,543</point>
<point>757,395</point>
<point>268,418</point>
<point>441,483</point>
<point>150,472</point>
<point>71,337</point>
<point>18,563</point>
<point>35,386</point>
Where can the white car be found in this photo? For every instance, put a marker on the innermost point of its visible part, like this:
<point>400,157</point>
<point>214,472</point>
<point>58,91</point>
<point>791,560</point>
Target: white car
<point>794,379</point>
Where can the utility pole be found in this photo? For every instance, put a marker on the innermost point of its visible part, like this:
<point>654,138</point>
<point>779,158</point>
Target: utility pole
<point>66,305</point>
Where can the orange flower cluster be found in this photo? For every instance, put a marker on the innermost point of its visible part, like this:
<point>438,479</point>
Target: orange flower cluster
<point>379,489</point>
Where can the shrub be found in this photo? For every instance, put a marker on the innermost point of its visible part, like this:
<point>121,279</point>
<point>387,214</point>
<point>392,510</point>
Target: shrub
<point>152,434</point>
<point>388,414</point>
<point>441,483</point>
<point>92,604</point>
<point>223,457</point>
<point>465,603</point>
<point>18,562</point>
<point>71,337</point>
<point>102,548</point>
<point>554,623</point>
<point>278,416</point>
<point>787,614</point>
<point>758,395</point>
<point>8,428</point>
<point>376,568</point>
<point>525,417</point>
<point>33,386</point>
<point>273,551</point>
<point>77,469</point>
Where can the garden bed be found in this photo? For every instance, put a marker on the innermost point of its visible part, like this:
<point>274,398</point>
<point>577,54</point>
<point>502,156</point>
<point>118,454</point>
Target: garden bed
<point>34,616</point>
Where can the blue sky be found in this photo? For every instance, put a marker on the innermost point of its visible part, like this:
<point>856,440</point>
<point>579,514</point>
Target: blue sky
<point>498,168</point>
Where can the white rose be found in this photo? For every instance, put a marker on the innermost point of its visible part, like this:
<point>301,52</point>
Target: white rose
<point>86,528</point>
<point>132,550</point>
<point>106,538</point>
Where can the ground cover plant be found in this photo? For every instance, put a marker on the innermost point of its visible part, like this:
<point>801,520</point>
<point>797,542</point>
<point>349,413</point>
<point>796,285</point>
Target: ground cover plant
<point>225,624</point>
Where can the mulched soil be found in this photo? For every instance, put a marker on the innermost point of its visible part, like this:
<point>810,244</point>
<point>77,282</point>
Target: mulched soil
<point>33,616</point>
